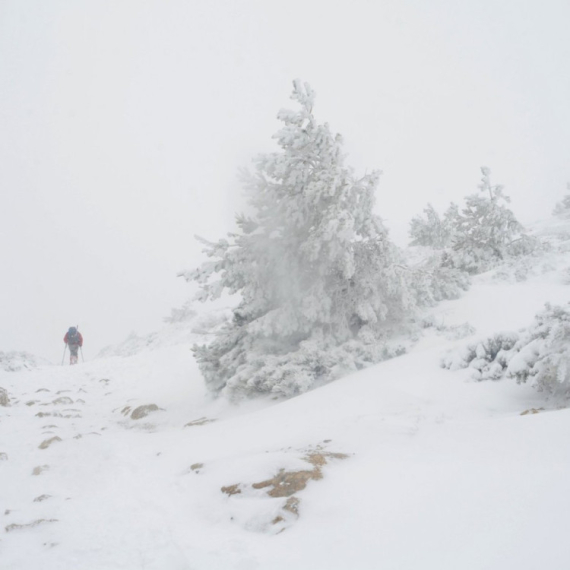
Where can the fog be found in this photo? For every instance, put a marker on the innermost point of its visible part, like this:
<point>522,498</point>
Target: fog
<point>123,126</point>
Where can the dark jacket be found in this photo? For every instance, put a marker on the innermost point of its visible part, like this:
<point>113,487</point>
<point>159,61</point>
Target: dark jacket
<point>78,340</point>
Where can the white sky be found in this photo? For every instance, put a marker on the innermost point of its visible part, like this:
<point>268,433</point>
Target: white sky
<point>123,124</point>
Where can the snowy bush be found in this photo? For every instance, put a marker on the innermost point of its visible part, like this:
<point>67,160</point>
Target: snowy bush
<point>431,230</point>
<point>478,237</point>
<point>562,209</point>
<point>485,229</point>
<point>182,314</point>
<point>314,268</point>
<point>544,355</point>
<point>434,280</point>
<point>525,265</point>
<point>451,332</point>
<point>15,361</point>
<point>488,358</point>
<point>540,354</point>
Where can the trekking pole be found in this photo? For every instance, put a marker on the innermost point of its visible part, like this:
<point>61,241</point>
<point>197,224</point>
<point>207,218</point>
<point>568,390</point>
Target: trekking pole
<point>81,349</point>
<point>64,349</point>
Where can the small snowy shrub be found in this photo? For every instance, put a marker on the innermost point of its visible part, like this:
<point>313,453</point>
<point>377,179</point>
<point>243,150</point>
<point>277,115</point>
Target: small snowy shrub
<point>488,358</point>
<point>540,353</point>
<point>544,356</point>
<point>182,314</point>
<point>451,332</point>
<point>15,361</point>
<point>316,273</point>
<point>520,268</point>
<point>434,280</point>
<point>562,209</point>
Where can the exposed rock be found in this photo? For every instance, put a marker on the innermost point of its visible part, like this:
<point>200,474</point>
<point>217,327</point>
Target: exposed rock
<point>56,415</point>
<point>37,522</point>
<point>41,498</point>
<point>232,489</point>
<point>63,400</point>
<point>80,435</point>
<point>32,402</point>
<point>532,411</point>
<point>287,484</point>
<point>196,467</point>
<point>39,469</point>
<point>4,400</point>
<point>199,422</point>
<point>143,411</point>
<point>3,456</point>
<point>47,442</point>
<point>290,506</point>
<point>318,457</point>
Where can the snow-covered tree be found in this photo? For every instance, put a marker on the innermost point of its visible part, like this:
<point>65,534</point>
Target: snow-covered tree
<point>433,280</point>
<point>181,314</point>
<point>563,208</point>
<point>485,229</point>
<point>313,266</point>
<point>431,230</point>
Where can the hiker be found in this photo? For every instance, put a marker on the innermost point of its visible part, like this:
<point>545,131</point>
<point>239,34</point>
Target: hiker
<point>74,340</point>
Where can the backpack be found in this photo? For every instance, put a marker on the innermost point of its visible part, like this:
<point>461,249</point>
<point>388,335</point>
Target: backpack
<point>72,336</point>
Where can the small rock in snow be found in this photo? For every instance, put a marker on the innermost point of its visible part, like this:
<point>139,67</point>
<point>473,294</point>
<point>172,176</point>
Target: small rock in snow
<point>4,400</point>
<point>143,411</point>
<point>32,524</point>
<point>47,442</point>
<point>41,498</point>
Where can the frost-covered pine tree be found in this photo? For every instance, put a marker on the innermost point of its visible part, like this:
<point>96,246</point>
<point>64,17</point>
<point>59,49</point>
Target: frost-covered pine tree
<point>430,230</point>
<point>434,278</point>
<point>485,228</point>
<point>562,208</point>
<point>313,266</point>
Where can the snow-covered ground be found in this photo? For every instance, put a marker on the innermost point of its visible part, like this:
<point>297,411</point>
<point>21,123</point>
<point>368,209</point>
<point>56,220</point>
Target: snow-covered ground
<point>402,466</point>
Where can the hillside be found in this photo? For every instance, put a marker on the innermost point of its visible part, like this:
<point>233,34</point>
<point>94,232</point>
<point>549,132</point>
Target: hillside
<point>125,462</point>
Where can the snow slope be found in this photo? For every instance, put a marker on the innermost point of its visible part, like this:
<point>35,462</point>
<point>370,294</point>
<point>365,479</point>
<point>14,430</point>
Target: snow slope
<point>410,466</point>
